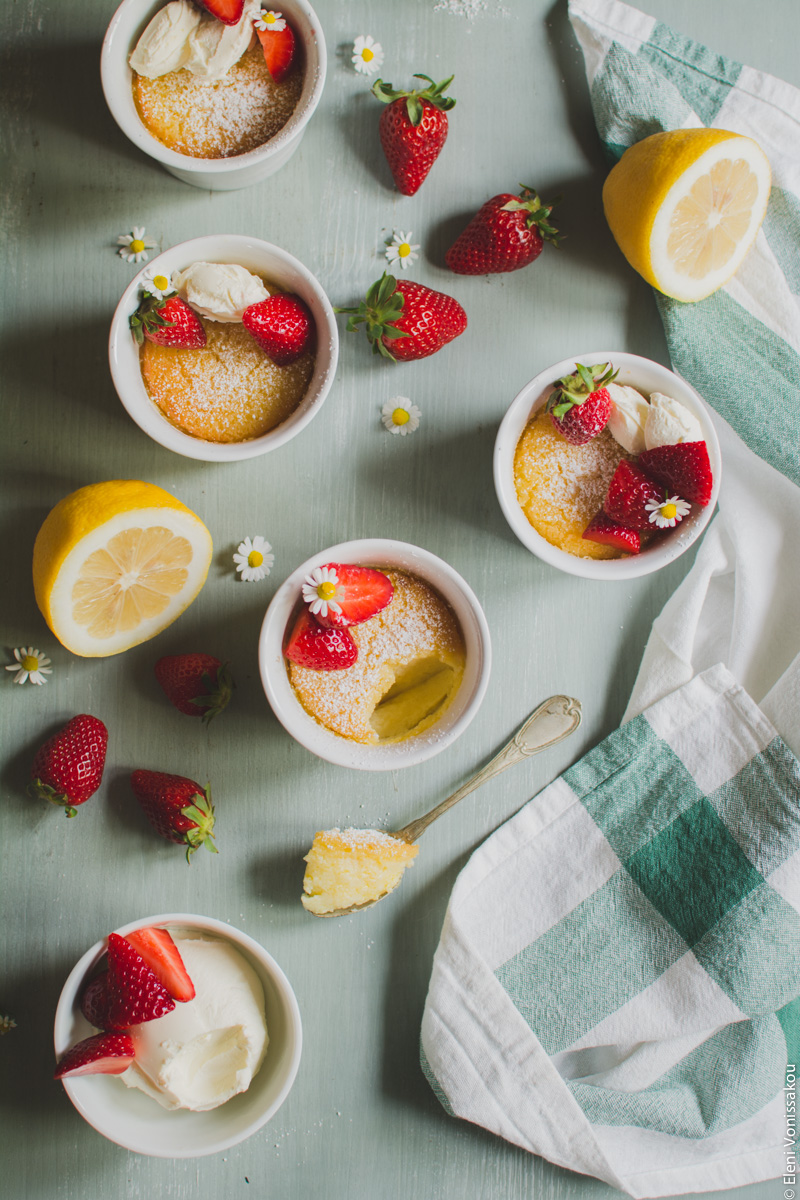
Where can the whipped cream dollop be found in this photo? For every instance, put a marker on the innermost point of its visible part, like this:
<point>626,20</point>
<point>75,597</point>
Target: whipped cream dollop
<point>670,422</point>
<point>629,411</point>
<point>208,1049</point>
<point>219,291</point>
<point>181,36</point>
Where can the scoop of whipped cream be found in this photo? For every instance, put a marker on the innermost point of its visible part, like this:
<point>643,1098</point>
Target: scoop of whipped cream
<point>629,411</point>
<point>219,291</point>
<point>670,422</point>
<point>206,1050</point>
<point>180,36</point>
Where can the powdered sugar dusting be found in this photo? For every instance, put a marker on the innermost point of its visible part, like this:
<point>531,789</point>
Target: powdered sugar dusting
<point>218,120</point>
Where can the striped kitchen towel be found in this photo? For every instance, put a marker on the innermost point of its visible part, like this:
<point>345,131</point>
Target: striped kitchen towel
<point>616,986</point>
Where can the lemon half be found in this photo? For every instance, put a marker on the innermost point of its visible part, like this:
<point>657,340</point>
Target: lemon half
<point>685,207</point>
<point>115,563</point>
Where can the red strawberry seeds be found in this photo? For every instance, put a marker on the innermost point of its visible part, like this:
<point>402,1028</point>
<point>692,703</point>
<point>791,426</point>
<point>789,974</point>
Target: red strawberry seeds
<point>279,50</point>
<point>405,321</point>
<point>507,233</point>
<point>198,685</point>
<point>68,768</point>
<point>167,322</point>
<point>156,947</point>
<point>684,469</point>
<point>282,325</point>
<point>311,645</point>
<point>580,405</point>
<point>94,1001</point>
<point>103,1054</point>
<point>608,532</point>
<point>629,493</point>
<point>359,593</point>
<point>135,994</point>
<point>177,808</point>
<point>413,129</point>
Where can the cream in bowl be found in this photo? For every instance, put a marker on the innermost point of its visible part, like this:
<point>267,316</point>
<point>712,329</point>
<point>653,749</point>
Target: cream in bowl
<point>607,465</point>
<point>223,348</point>
<point>177,1036</point>
<point>374,654</point>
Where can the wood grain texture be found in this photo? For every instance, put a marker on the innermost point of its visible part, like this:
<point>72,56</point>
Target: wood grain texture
<point>361,1119</point>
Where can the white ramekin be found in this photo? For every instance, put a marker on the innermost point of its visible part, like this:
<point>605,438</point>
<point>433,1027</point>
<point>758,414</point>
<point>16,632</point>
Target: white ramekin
<point>214,174</point>
<point>648,377</point>
<point>264,259</point>
<point>377,552</point>
<point>130,1118</point>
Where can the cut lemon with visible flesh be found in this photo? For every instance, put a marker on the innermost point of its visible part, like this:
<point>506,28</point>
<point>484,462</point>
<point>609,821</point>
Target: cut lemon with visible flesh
<point>685,207</point>
<point>115,563</point>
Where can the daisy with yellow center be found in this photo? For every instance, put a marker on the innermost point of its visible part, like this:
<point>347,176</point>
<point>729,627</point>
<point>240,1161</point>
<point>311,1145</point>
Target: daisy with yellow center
<point>400,251</point>
<point>664,514</point>
<point>319,591</point>
<point>400,416</point>
<point>267,19</point>
<point>367,55</point>
<point>254,559</point>
<point>157,284</point>
<point>133,246</point>
<point>31,664</point>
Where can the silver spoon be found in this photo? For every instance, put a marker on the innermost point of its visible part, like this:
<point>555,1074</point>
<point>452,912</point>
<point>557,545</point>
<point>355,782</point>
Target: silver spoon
<point>548,724</point>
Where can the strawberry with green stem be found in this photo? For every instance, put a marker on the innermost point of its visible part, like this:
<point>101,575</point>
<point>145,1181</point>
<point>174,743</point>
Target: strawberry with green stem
<point>507,233</point>
<point>68,768</point>
<point>404,320</point>
<point>413,129</point>
<point>580,405</point>
<point>167,321</point>
<point>198,685</point>
<point>177,808</point>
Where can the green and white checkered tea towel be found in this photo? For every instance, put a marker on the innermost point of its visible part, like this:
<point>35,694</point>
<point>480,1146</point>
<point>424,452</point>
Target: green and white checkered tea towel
<point>616,986</point>
<point>616,983</point>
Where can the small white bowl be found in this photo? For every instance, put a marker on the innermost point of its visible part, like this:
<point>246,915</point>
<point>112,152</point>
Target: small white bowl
<point>263,259</point>
<point>214,174</point>
<point>648,377</point>
<point>130,1118</point>
<point>377,552</point>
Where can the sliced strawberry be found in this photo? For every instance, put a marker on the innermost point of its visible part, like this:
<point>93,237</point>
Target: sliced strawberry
<point>94,1001</point>
<point>319,649</point>
<point>629,493</point>
<point>163,958</point>
<point>227,11</point>
<point>135,994</point>
<point>360,593</point>
<point>608,532</point>
<point>103,1054</point>
<point>279,47</point>
<point>684,469</point>
<point>282,325</point>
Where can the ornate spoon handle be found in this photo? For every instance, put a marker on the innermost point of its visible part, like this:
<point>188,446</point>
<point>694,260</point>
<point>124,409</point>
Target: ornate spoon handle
<point>551,722</point>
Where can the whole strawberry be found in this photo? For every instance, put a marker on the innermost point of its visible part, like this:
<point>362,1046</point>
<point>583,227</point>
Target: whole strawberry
<point>507,233</point>
<point>405,320</point>
<point>282,325</point>
<point>199,685</point>
<point>167,322</point>
<point>177,808</point>
<point>413,129</point>
<point>581,405</point>
<point>68,768</point>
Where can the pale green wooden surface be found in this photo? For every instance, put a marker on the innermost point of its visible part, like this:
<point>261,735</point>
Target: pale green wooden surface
<point>361,1120</point>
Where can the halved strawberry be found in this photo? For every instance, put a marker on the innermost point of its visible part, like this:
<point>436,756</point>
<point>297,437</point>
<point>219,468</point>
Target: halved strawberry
<point>319,649</point>
<point>94,1001</point>
<point>608,532</point>
<point>103,1054</point>
<point>163,958</point>
<point>684,469</point>
<point>628,495</point>
<point>135,994</point>
<point>279,47</point>
<point>357,592</point>
<point>227,11</point>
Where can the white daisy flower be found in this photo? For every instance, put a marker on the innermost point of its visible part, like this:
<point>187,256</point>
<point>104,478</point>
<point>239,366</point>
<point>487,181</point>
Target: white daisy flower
<point>254,559</point>
<point>400,416</point>
<point>367,55</point>
<point>319,590</point>
<point>31,664</point>
<point>267,19</point>
<point>133,246</point>
<point>666,513</point>
<point>399,251</point>
<point>156,284</point>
